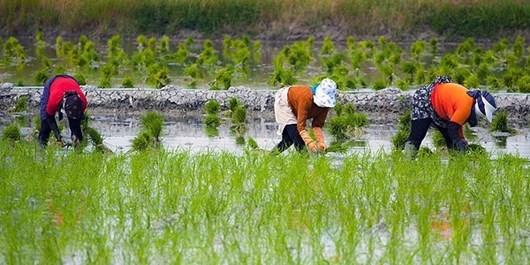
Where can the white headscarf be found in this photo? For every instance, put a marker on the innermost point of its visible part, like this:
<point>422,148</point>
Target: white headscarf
<point>326,93</point>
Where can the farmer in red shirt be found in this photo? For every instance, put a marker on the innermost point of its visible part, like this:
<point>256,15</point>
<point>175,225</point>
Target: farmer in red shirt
<point>447,106</point>
<point>61,93</point>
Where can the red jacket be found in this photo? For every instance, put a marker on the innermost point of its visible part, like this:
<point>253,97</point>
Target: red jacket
<point>54,91</point>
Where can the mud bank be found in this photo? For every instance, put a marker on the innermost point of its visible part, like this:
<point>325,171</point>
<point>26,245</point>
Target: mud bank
<point>382,103</point>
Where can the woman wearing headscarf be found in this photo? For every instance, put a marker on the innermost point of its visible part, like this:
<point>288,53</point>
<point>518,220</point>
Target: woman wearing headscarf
<point>447,106</point>
<point>296,104</point>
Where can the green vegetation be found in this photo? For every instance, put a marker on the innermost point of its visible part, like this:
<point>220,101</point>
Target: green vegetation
<point>354,64</point>
<point>403,131</point>
<point>365,17</point>
<point>259,208</point>
<point>21,105</point>
<point>11,132</point>
<point>212,120</point>
<point>500,122</point>
<point>149,136</point>
<point>347,123</point>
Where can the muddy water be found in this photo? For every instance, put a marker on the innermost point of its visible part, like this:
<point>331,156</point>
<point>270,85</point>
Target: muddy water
<point>186,132</point>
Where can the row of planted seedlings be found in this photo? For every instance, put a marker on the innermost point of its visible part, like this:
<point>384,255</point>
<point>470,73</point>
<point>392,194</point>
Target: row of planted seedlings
<point>182,207</point>
<point>353,64</point>
<point>236,113</point>
<point>150,62</point>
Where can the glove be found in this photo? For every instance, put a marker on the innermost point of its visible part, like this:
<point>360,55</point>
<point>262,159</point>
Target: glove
<point>309,142</point>
<point>321,144</point>
<point>306,137</point>
<point>461,145</point>
<point>312,147</point>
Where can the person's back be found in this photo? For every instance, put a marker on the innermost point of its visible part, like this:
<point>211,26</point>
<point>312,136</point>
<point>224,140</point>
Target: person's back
<point>451,102</point>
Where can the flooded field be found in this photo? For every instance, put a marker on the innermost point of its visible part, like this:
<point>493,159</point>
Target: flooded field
<point>186,131</point>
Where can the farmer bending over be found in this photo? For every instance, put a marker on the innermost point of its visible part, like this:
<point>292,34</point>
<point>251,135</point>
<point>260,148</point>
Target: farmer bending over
<point>294,105</point>
<point>61,93</point>
<point>447,106</point>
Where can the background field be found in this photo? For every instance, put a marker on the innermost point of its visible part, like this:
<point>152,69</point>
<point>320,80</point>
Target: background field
<point>272,18</point>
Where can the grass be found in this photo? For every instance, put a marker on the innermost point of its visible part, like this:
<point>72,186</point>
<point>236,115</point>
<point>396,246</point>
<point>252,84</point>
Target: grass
<point>472,18</point>
<point>254,208</point>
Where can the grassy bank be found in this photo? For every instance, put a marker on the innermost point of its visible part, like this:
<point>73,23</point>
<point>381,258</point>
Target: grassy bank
<point>161,207</point>
<point>468,17</point>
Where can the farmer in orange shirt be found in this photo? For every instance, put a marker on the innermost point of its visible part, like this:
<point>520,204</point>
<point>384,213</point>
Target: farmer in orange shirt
<point>296,104</point>
<point>447,106</point>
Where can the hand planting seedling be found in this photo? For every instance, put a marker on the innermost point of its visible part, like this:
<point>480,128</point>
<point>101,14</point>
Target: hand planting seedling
<point>447,106</point>
<point>294,105</point>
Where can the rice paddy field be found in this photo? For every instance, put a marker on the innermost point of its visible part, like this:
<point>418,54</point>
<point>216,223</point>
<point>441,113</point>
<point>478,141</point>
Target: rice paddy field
<point>160,207</point>
<point>205,188</point>
<point>231,204</point>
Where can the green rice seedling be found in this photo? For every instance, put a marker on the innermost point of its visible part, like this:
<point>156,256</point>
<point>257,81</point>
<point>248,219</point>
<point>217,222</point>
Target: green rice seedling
<point>523,84</point>
<point>282,77</point>
<point>234,103</point>
<point>14,52</point>
<point>328,47</point>
<point>164,44</point>
<point>208,57</point>
<point>158,76</point>
<point>239,114</point>
<point>403,84</point>
<point>298,55</point>
<point>212,106</point>
<point>142,141</point>
<point>417,50</point>
<point>81,79</point>
<point>194,71</point>
<point>240,140</point>
<point>212,120</point>
<point>153,122</point>
<point>149,136</point>
<point>403,130</point>
<point>11,133</point>
<point>471,81</point>
<point>105,82</point>
<point>238,53</point>
<point>379,84</point>
<point>21,104</point>
<point>213,130</point>
<point>181,56</point>
<point>500,122</point>
<point>252,144</point>
<point>348,122</point>
<point>95,138</point>
<point>127,82</point>
<point>223,79</point>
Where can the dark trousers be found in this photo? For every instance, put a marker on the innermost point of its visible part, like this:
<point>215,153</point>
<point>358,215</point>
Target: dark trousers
<point>44,132</point>
<point>47,126</point>
<point>419,128</point>
<point>290,136</point>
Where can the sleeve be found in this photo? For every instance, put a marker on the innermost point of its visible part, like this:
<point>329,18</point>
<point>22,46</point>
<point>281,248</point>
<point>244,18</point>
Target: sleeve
<point>320,119</point>
<point>462,111</point>
<point>303,113</point>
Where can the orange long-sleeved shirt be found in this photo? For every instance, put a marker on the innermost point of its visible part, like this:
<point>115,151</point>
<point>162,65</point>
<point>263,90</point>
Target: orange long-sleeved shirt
<point>452,103</point>
<point>300,100</point>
